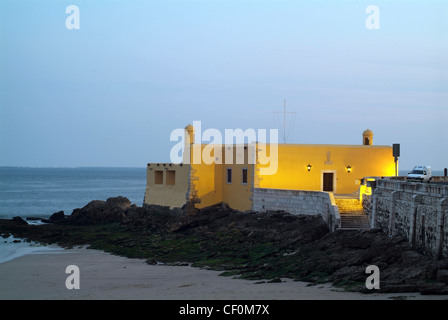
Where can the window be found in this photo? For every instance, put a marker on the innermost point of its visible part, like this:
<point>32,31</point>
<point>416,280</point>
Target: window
<point>158,177</point>
<point>170,177</point>
<point>244,176</point>
<point>229,175</point>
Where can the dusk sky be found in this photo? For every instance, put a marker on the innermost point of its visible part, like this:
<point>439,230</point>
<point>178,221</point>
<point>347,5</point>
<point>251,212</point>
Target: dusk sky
<point>111,92</point>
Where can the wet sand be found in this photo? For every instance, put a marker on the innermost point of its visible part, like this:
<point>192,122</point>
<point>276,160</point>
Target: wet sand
<point>41,276</point>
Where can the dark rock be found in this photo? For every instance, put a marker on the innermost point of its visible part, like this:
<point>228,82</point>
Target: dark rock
<point>151,261</point>
<point>411,256</point>
<point>119,201</point>
<point>19,220</point>
<point>17,241</point>
<point>354,273</point>
<point>57,216</point>
<point>189,209</point>
<point>442,276</point>
<point>98,211</point>
<point>151,217</point>
<point>357,241</point>
<point>442,264</point>
<point>433,288</point>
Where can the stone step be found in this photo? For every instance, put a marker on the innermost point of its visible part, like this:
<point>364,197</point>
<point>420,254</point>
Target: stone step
<point>354,221</point>
<point>354,212</point>
<point>347,205</point>
<point>350,209</point>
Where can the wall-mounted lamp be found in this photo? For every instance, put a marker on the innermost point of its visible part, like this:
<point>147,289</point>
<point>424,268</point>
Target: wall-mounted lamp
<point>349,169</point>
<point>308,167</point>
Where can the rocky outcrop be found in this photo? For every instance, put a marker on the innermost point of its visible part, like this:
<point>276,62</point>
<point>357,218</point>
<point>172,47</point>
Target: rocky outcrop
<point>120,209</point>
<point>57,217</point>
<point>98,211</point>
<point>19,220</point>
<point>276,226</point>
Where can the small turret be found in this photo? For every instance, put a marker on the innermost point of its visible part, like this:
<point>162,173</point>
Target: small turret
<point>189,141</point>
<point>189,134</point>
<point>367,137</point>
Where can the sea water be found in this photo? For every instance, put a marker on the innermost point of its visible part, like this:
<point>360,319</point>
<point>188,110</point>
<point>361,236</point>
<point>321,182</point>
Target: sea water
<point>39,192</point>
<point>11,248</point>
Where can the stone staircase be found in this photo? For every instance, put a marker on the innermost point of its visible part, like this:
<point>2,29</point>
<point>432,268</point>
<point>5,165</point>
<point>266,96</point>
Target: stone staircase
<point>354,222</point>
<point>352,213</point>
<point>348,205</point>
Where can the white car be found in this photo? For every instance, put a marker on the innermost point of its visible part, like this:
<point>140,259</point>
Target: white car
<point>420,174</point>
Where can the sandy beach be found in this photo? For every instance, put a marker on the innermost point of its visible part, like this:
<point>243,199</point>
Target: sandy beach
<point>41,276</point>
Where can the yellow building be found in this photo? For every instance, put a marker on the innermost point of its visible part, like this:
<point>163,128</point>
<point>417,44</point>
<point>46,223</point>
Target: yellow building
<point>337,169</point>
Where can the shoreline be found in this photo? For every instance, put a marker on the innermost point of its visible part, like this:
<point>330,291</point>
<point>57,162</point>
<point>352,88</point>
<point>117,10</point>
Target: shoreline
<point>103,276</point>
<point>10,250</point>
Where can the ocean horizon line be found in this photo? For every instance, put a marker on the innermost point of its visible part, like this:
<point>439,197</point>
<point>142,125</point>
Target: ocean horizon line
<point>401,171</point>
<point>72,167</point>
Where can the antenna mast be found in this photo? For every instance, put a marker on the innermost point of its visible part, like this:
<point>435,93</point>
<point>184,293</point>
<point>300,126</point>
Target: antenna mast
<point>284,119</point>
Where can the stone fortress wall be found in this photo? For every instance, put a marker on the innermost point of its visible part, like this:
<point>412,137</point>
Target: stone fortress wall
<point>417,211</point>
<point>298,202</point>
